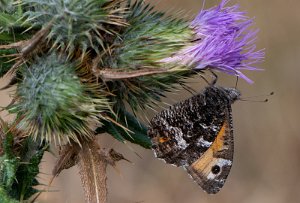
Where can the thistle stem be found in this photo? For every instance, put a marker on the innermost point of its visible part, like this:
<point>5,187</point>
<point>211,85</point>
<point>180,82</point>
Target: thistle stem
<point>109,74</point>
<point>93,172</point>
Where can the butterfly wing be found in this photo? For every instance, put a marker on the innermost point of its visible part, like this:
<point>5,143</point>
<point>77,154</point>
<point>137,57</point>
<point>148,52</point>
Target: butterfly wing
<point>212,168</point>
<point>197,134</point>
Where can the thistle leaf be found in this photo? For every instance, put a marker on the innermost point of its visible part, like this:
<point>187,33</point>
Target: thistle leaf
<point>4,198</point>
<point>5,63</point>
<point>132,130</point>
<point>113,130</point>
<point>31,156</point>
<point>19,163</point>
<point>9,163</point>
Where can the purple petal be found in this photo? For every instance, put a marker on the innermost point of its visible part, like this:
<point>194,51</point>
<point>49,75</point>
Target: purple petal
<point>223,42</point>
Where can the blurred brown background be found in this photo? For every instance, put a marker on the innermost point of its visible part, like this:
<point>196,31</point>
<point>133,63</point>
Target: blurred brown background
<point>267,142</point>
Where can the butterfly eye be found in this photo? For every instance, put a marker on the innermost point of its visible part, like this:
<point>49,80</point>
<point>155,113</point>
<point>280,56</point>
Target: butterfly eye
<point>215,169</point>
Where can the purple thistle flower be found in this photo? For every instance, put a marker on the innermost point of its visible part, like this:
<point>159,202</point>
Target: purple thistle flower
<point>222,42</point>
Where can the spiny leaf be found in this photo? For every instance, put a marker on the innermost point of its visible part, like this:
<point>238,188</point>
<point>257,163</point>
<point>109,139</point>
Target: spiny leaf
<point>112,130</point>
<point>19,162</point>
<point>136,133</point>
<point>4,198</point>
<point>9,163</point>
<point>31,156</point>
<point>5,63</point>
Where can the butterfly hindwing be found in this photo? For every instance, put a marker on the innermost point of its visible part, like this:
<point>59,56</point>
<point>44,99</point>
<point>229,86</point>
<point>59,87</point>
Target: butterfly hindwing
<point>212,168</point>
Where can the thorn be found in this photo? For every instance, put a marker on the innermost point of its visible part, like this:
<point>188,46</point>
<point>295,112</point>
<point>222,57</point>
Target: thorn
<point>117,156</point>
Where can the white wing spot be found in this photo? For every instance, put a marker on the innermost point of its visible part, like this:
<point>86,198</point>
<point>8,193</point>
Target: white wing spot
<point>179,138</point>
<point>220,162</point>
<point>203,143</point>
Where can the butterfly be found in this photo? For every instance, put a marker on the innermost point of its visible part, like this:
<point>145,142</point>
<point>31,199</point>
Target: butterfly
<point>197,134</point>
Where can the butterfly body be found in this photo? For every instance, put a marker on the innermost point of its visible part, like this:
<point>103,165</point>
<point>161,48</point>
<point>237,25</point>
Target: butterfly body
<point>197,135</point>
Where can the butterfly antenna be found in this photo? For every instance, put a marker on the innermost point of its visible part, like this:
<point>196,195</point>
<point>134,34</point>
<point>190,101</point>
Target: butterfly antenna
<point>250,99</point>
<point>236,82</point>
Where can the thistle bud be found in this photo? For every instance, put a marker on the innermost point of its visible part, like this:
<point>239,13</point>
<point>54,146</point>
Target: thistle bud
<point>53,104</point>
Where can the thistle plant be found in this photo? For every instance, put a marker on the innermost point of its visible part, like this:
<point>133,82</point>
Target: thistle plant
<point>86,67</point>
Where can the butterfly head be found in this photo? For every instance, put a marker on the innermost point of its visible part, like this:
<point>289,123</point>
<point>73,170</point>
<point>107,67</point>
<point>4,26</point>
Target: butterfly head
<point>232,94</point>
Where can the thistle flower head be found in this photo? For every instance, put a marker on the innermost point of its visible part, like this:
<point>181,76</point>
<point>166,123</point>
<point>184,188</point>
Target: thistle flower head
<point>223,42</point>
<point>151,36</point>
<point>53,104</point>
<point>76,23</point>
<point>5,4</point>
